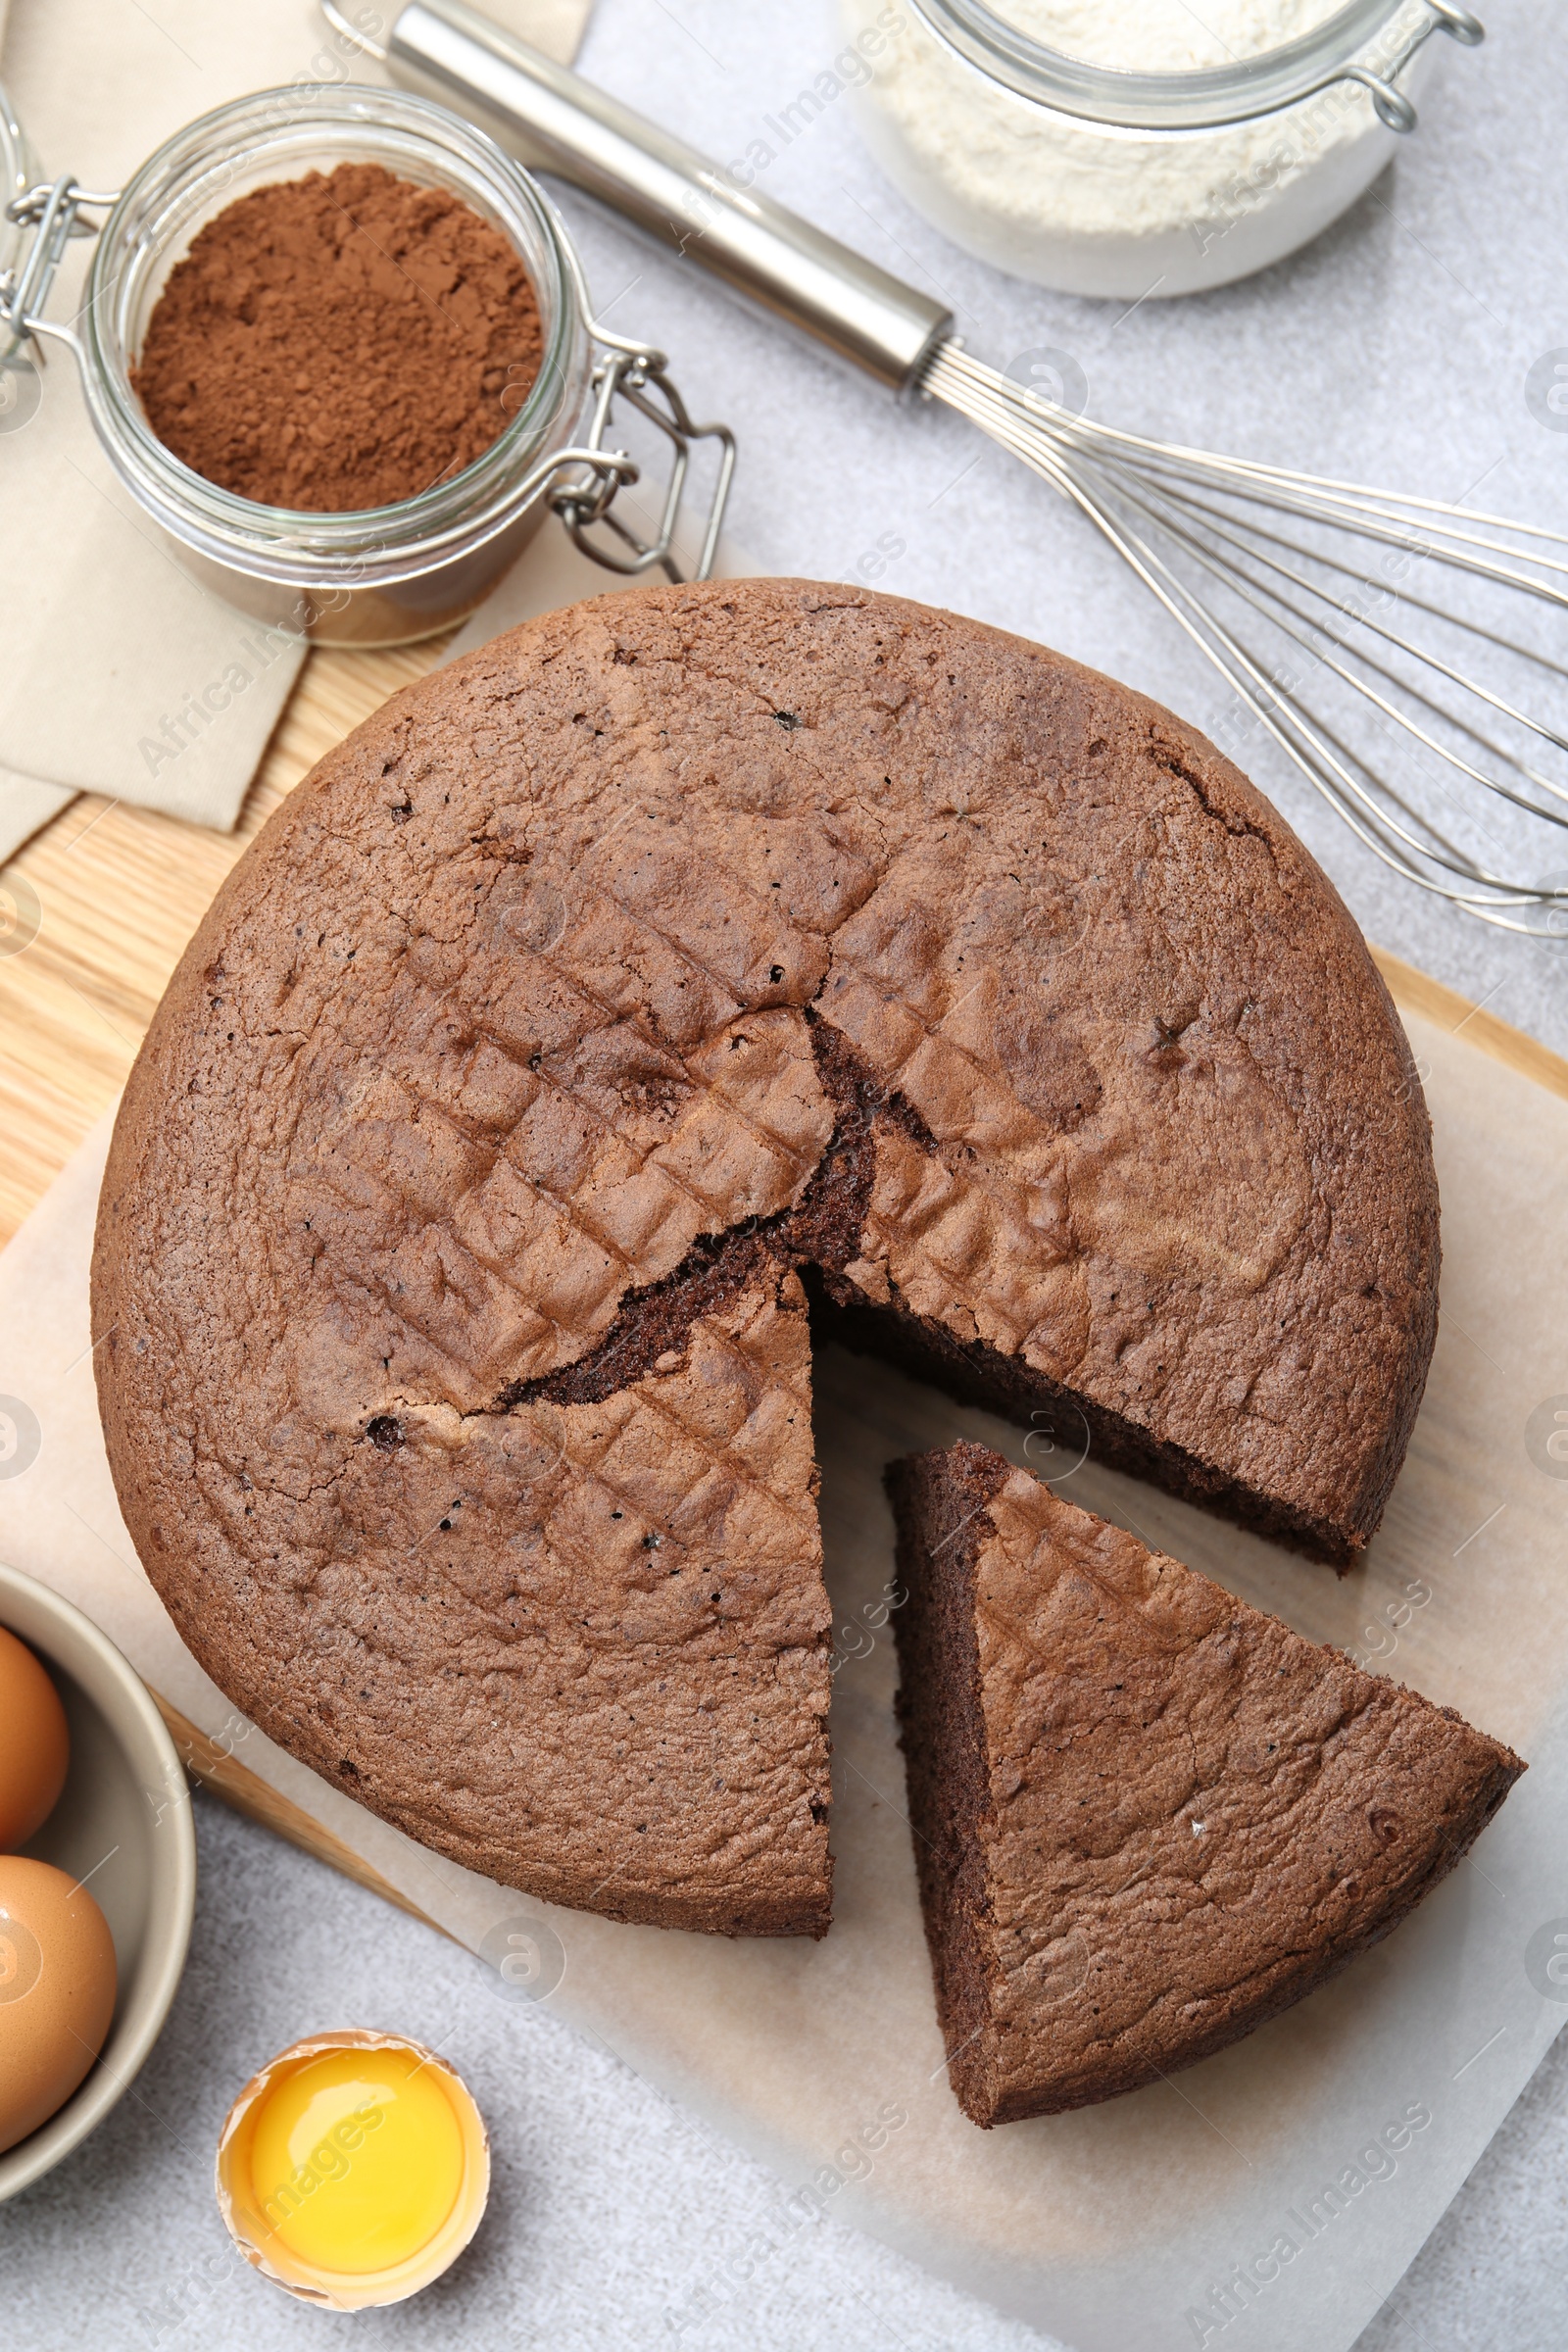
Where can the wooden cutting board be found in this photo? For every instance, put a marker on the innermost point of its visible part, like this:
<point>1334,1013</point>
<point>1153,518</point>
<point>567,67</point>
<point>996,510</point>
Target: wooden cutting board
<point>119,889</point>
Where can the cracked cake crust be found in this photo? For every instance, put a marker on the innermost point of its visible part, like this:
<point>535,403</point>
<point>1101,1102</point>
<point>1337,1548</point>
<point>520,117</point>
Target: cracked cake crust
<point>445,1286</point>
<point>1147,1817</point>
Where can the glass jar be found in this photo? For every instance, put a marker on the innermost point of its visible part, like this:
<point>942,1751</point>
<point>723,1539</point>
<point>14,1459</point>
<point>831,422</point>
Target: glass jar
<point>16,177</point>
<point>379,576</point>
<point>21,386</point>
<point>1098,181</point>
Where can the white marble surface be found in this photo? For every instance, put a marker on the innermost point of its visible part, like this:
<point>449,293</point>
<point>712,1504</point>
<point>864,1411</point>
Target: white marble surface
<point>1395,349</point>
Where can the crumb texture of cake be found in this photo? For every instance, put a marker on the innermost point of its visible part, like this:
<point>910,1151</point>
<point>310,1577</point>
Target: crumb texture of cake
<point>1147,1817</point>
<point>451,1337</point>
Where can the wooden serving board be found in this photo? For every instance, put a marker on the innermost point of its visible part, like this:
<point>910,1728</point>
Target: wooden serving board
<point>224,1775</point>
<point>120,891</point>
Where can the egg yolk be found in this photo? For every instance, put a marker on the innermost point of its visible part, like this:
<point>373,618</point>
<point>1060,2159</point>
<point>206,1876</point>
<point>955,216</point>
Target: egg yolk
<point>356,2159</point>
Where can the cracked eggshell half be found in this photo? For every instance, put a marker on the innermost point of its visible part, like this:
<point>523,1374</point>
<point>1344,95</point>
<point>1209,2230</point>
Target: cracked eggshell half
<point>335,2164</point>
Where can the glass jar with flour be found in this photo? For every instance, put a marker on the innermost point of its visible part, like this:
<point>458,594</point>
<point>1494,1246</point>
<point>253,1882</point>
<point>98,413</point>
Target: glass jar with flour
<point>1136,148</point>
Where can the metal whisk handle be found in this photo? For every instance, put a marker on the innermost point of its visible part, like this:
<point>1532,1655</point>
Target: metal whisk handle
<point>558,123</point>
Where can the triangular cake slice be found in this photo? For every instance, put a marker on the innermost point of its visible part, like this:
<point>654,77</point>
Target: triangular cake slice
<point>1147,1817</point>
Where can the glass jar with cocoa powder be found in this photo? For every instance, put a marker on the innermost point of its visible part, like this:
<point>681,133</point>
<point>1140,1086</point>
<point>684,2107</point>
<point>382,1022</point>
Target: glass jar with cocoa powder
<point>382,575</point>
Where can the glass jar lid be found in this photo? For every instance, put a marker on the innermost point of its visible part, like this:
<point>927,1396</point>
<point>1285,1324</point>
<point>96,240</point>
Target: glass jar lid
<point>1368,41</point>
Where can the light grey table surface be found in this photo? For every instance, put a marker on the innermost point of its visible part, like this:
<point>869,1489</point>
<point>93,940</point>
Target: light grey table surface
<point>1396,349</point>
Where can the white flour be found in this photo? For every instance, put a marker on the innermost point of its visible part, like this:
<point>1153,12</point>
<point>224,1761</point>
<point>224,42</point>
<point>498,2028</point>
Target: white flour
<point>1163,36</point>
<point>1095,209</point>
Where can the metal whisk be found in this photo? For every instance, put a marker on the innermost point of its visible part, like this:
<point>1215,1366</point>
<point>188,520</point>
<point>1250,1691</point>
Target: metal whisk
<point>1189,523</point>
<point>1275,575</point>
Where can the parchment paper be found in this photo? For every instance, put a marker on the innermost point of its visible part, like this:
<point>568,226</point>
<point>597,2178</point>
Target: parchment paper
<point>1120,2227</point>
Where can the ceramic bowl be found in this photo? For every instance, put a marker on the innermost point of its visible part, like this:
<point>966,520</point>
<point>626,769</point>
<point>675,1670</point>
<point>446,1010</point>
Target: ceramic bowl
<point>122,1824</point>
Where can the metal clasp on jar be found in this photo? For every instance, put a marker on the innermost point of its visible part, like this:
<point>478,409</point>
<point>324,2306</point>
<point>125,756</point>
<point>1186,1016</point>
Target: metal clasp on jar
<point>53,212</point>
<point>1392,107</point>
<point>635,372</point>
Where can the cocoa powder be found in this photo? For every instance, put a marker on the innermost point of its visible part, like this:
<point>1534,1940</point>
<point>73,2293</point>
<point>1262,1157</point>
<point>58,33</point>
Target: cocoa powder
<point>340,341</point>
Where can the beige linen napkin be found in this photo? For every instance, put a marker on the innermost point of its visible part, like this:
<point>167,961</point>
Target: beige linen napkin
<point>102,635</point>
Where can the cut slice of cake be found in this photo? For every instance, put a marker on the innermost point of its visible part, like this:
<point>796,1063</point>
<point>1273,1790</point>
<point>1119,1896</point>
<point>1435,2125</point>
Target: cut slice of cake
<point>1147,1817</point>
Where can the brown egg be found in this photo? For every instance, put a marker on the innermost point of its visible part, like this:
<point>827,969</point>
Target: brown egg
<point>34,1744</point>
<point>57,1991</point>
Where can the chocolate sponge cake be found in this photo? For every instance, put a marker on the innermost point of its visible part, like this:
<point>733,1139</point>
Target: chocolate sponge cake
<point>668,954</point>
<point>1147,1816</point>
